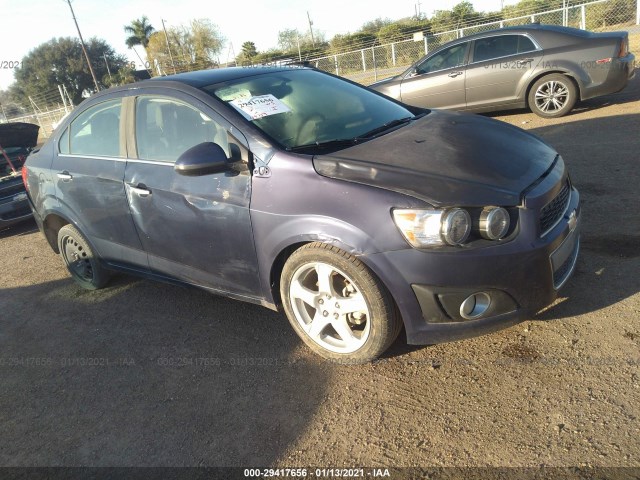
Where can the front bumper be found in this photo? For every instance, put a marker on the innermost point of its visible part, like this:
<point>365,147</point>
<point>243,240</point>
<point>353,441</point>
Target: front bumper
<point>521,277</point>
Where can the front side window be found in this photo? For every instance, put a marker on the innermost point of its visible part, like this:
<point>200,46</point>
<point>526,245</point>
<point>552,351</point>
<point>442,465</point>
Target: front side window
<point>447,58</point>
<point>501,46</point>
<point>96,131</point>
<point>299,108</point>
<point>166,128</point>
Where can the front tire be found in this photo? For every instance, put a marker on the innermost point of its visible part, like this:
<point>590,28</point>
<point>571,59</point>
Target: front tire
<point>81,261</point>
<point>336,305</point>
<point>552,96</point>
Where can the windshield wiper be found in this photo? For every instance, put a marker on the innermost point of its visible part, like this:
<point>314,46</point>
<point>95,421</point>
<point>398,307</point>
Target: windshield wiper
<point>338,142</point>
<point>387,126</point>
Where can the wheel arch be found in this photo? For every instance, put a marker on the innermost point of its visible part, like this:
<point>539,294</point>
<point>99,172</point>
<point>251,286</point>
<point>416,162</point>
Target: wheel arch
<point>52,224</point>
<point>571,76</point>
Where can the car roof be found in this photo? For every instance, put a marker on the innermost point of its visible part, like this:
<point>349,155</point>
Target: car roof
<point>531,28</point>
<point>200,78</point>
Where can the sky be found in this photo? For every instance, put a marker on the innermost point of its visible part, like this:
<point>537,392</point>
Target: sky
<point>29,23</point>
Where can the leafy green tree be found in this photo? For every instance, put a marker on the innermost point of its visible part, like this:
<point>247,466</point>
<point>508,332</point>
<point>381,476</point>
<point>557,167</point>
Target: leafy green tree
<point>61,61</point>
<point>194,46</point>
<point>374,26</point>
<point>352,41</point>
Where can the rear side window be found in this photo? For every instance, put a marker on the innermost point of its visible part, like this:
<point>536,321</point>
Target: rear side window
<point>166,128</point>
<point>96,131</point>
<point>501,46</point>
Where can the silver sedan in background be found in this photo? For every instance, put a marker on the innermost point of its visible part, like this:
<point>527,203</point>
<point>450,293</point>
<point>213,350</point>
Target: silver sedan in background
<point>543,67</point>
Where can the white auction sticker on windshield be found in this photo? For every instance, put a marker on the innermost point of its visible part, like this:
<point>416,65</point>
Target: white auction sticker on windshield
<point>261,106</point>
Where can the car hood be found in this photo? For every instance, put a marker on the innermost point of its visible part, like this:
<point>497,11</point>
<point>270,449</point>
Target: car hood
<point>446,158</point>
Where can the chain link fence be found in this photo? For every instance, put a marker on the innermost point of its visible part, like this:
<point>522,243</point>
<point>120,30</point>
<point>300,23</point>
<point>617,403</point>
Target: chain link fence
<point>374,63</point>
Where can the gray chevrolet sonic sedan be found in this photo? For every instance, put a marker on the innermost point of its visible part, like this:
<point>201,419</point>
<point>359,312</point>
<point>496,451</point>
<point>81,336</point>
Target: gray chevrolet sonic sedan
<point>297,190</point>
<point>544,67</point>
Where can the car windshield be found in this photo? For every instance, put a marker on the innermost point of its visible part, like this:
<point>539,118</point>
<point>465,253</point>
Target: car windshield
<point>303,109</point>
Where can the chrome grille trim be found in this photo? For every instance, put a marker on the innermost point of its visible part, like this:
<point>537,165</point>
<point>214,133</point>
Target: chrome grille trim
<point>552,212</point>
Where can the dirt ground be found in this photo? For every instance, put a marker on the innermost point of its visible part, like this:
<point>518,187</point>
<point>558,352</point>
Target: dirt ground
<point>146,374</point>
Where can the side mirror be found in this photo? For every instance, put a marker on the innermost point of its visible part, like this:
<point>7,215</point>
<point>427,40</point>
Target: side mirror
<point>203,159</point>
<point>413,72</point>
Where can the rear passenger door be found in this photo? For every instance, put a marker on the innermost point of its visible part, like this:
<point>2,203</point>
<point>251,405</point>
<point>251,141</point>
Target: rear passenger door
<point>194,228</point>
<point>499,66</point>
<point>438,81</point>
<point>88,169</point>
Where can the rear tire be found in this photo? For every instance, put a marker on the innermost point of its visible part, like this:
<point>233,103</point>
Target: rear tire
<point>552,96</point>
<point>337,306</point>
<point>81,261</point>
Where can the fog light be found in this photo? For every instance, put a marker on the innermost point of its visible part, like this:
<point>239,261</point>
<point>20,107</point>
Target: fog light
<point>475,305</point>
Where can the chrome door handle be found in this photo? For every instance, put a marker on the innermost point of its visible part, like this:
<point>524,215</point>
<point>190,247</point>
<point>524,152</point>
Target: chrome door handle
<point>65,175</point>
<point>455,74</point>
<point>140,190</point>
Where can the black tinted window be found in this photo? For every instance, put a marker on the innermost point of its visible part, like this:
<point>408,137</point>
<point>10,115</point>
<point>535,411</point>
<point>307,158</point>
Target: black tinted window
<point>166,128</point>
<point>96,131</point>
<point>501,46</point>
<point>447,58</point>
<point>63,144</point>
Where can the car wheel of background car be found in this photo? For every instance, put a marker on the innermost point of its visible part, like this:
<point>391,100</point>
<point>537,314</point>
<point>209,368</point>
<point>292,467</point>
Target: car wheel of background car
<point>80,259</point>
<point>552,96</point>
<point>336,305</point>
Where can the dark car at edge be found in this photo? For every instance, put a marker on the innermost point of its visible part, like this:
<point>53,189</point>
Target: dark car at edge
<point>306,193</point>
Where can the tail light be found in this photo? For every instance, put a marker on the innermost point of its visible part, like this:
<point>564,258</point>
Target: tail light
<point>24,178</point>
<point>624,47</point>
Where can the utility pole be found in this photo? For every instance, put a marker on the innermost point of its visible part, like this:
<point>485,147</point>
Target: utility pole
<point>106,63</point>
<point>418,10</point>
<point>311,29</point>
<point>166,37</point>
<point>84,48</point>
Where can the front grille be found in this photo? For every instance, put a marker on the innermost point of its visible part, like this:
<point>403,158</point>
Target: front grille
<point>562,273</point>
<point>552,212</point>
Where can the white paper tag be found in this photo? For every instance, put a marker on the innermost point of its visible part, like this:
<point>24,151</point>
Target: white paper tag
<point>261,106</point>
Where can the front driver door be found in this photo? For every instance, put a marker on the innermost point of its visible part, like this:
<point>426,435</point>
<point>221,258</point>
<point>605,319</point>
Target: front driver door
<point>438,82</point>
<point>194,228</point>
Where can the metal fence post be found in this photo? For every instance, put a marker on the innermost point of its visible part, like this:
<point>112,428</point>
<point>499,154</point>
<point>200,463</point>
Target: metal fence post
<point>375,67</point>
<point>393,52</point>
<point>364,63</point>
<point>583,21</point>
<point>335,59</point>
<point>426,44</point>
<point>533,19</point>
<point>637,12</point>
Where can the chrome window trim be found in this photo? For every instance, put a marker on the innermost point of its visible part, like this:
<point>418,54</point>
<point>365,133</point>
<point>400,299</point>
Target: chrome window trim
<point>117,159</point>
<point>535,44</point>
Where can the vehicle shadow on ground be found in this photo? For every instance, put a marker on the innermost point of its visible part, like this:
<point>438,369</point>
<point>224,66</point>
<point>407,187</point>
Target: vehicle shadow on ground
<point>147,374</point>
<point>22,228</point>
<point>631,93</point>
<point>609,262</point>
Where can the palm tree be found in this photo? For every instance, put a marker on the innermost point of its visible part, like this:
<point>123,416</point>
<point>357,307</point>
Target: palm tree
<point>140,31</point>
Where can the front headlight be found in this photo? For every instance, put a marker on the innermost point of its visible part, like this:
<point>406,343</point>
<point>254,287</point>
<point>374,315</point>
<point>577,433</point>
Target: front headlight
<point>494,223</point>
<point>428,228</point>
